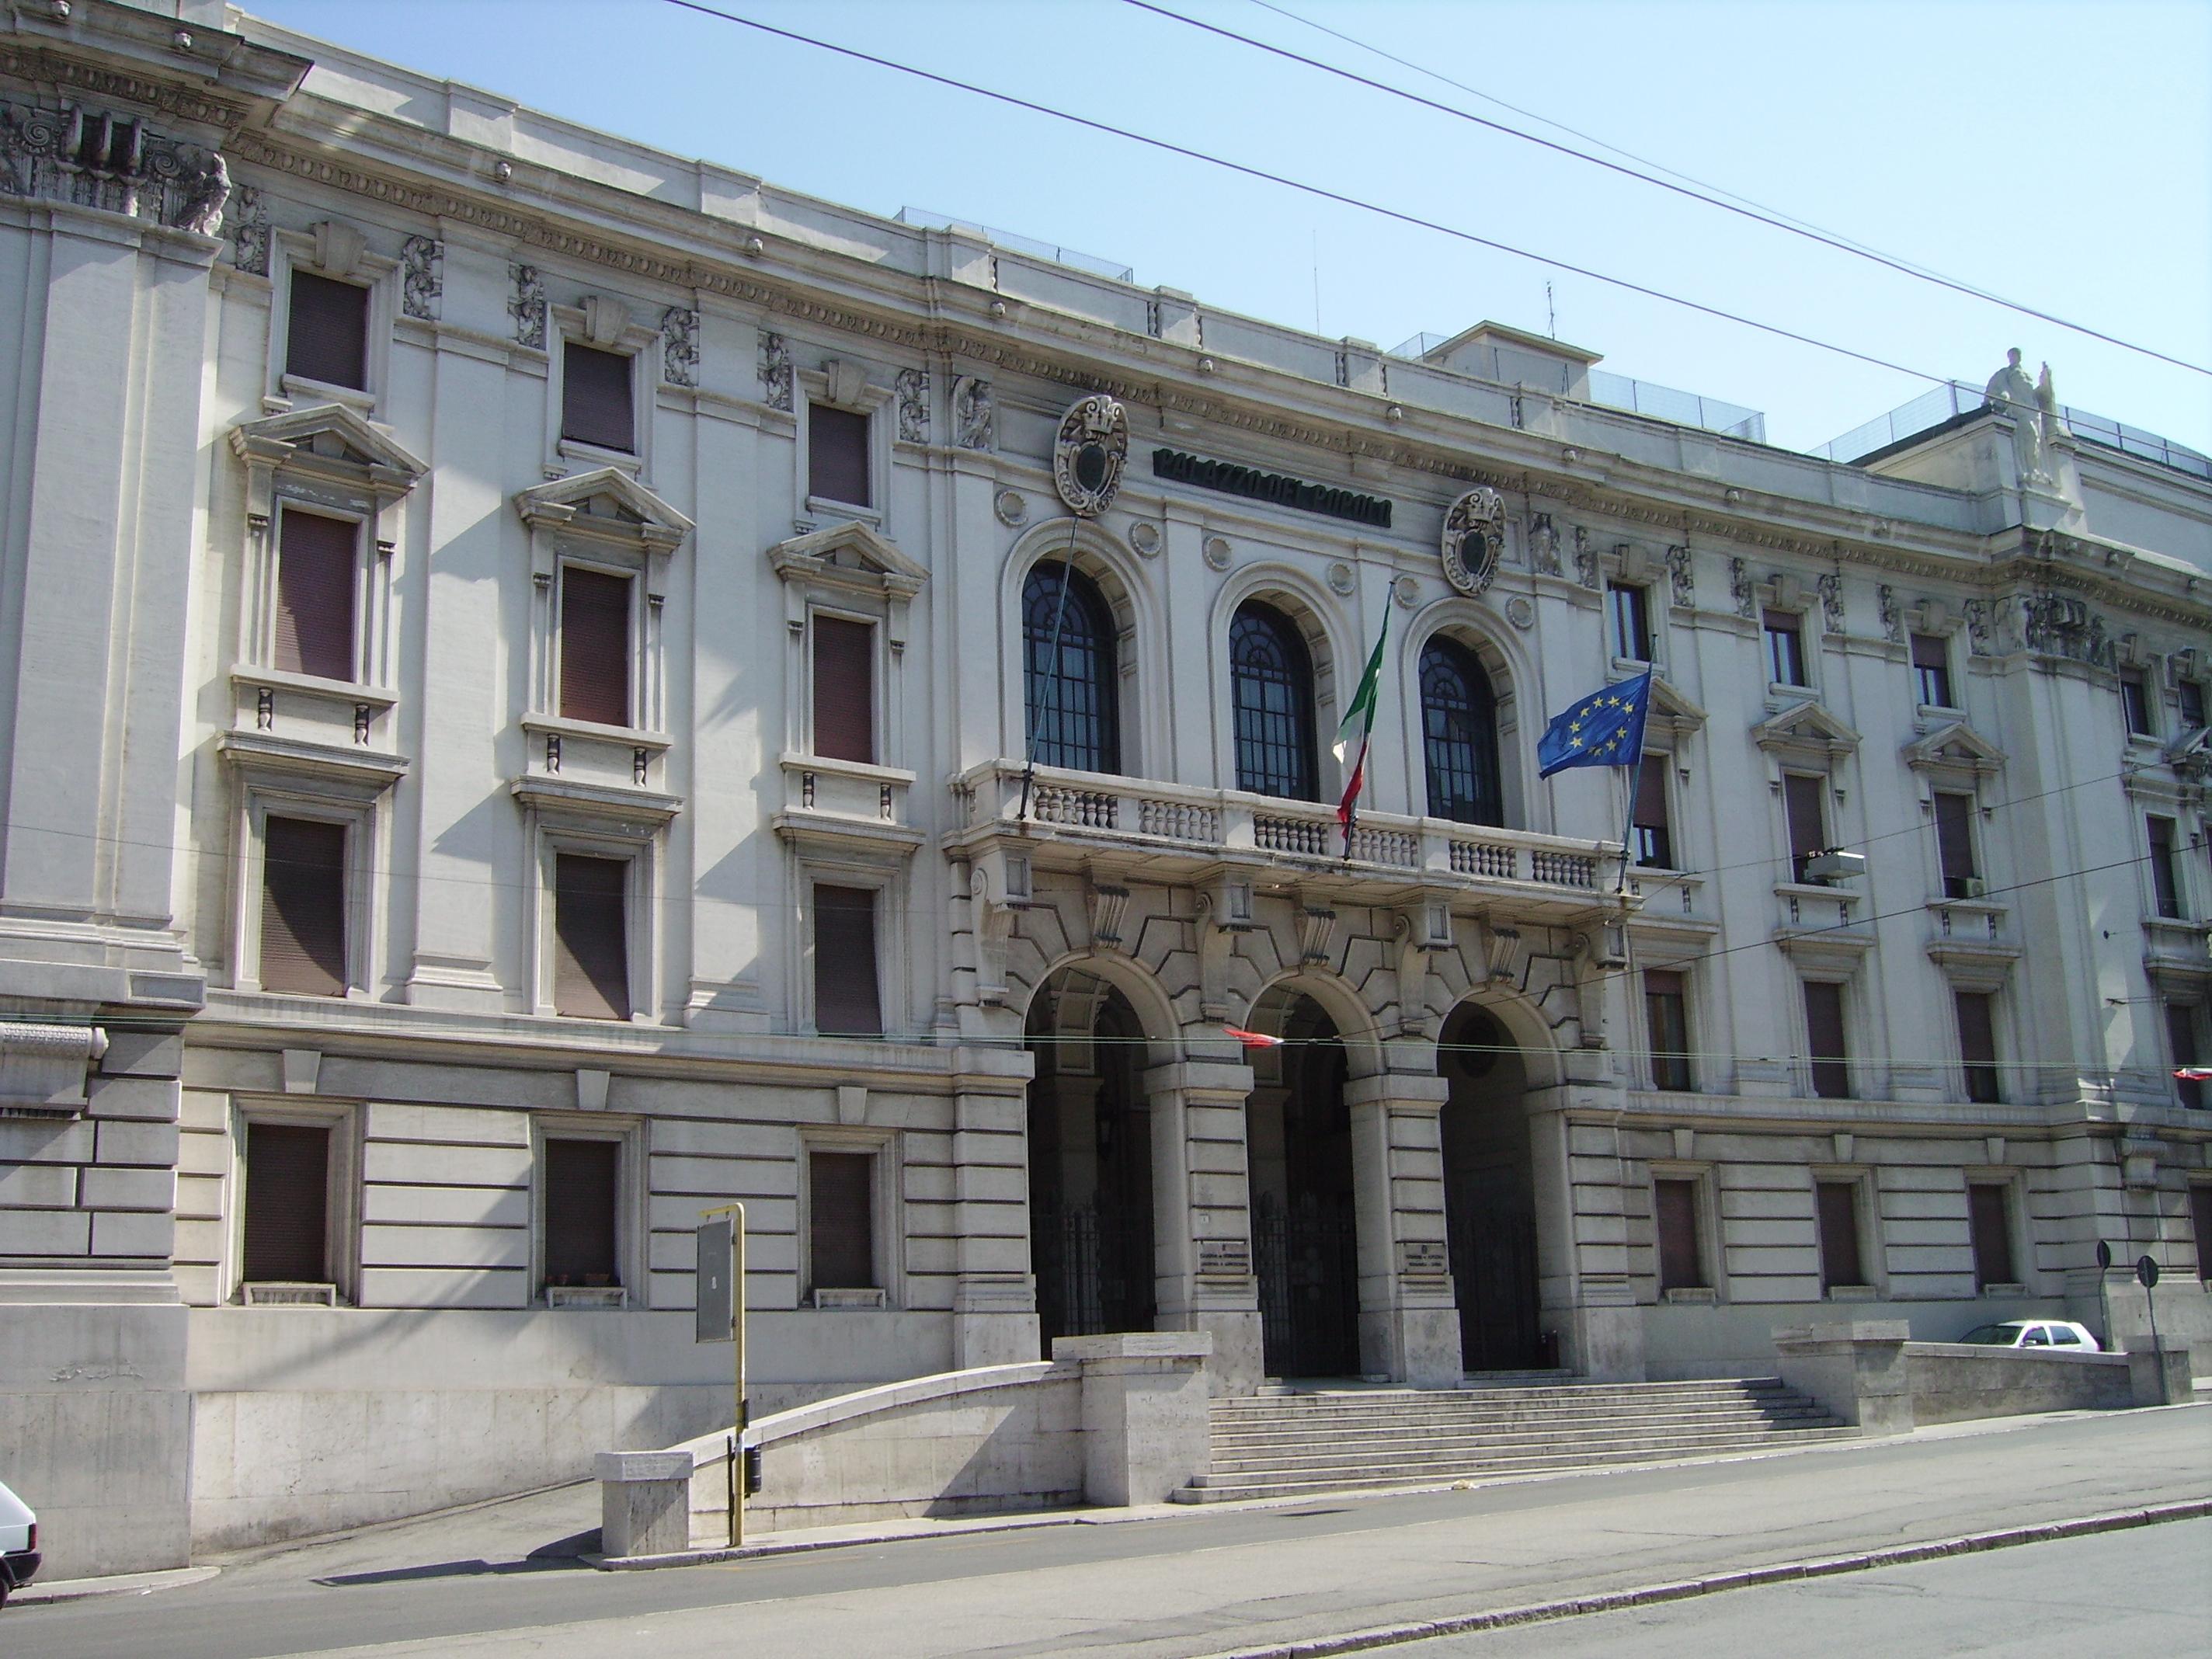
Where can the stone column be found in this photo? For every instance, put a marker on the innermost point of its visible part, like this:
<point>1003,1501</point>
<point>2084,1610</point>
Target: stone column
<point>1581,1246</point>
<point>1202,1218</point>
<point>994,1321</point>
<point>1408,1321</point>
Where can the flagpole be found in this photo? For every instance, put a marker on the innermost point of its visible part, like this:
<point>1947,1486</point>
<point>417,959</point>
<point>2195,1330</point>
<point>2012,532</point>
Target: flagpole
<point>1628,819</point>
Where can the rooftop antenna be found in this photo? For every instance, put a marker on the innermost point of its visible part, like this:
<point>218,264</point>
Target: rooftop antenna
<point>1551,312</point>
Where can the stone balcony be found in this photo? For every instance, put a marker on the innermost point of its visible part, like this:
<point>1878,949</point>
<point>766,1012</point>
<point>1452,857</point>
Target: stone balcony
<point>1143,829</point>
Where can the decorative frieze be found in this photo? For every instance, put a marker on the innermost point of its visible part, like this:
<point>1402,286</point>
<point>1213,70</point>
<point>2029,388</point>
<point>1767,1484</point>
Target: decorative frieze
<point>526,306</point>
<point>911,387</point>
<point>775,371</point>
<point>973,416</point>
<point>421,277</point>
<point>679,346</point>
<point>112,162</point>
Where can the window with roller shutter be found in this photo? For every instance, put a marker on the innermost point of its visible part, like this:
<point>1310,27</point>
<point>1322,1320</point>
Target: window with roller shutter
<point>595,636</point>
<point>1838,1205</point>
<point>1978,1045</point>
<point>1989,1214</point>
<point>1824,1030</point>
<point>846,1002</point>
<point>303,907</point>
<point>591,937</point>
<point>844,689</point>
<point>1682,1266</point>
<point>315,577</point>
<point>581,1195</point>
<point>326,336</point>
<point>287,1208</point>
<point>1806,811</point>
<point>840,1230</point>
<point>1654,829</point>
<point>595,397</point>
<point>837,454</point>
<point>1954,843</point>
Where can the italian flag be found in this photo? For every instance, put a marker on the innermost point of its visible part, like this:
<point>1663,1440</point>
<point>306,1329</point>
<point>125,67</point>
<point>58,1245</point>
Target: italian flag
<point>1357,729</point>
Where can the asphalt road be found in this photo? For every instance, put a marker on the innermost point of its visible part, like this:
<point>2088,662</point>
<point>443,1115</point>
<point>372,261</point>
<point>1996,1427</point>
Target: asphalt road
<point>1189,1583</point>
<point>2145,1591</point>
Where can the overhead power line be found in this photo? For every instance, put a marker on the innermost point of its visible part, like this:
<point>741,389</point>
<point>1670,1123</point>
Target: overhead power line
<point>1711,195</point>
<point>1319,192</point>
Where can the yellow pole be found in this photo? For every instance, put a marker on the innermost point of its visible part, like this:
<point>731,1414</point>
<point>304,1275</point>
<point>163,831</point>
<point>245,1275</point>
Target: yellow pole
<point>737,1356</point>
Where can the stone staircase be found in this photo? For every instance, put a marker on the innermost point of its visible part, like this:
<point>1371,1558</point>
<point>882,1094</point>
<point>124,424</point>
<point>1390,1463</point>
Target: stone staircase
<point>1279,1443</point>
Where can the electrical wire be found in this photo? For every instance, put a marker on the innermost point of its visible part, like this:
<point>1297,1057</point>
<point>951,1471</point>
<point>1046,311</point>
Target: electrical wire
<point>1709,195</point>
<point>1321,192</point>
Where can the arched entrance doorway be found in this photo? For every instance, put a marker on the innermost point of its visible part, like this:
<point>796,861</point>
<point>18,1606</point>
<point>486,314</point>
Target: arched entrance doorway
<point>1490,1194</point>
<point>1090,1162</point>
<point>1305,1246</point>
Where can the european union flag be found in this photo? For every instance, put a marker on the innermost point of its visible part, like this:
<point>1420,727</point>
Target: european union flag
<point>1604,729</point>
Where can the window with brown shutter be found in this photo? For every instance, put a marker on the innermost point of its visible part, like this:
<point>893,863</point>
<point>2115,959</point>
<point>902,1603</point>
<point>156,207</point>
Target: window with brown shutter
<point>1988,1216</point>
<point>1654,831</point>
<point>2165,884</point>
<point>580,1196</point>
<point>841,1225</point>
<point>1824,1028</point>
<point>327,338</point>
<point>591,937</point>
<point>846,1000</point>
<point>1931,670</point>
<point>844,689</point>
<point>594,646</point>
<point>837,454</point>
<point>286,1203</point>
<point>595,397</point>
<point>2135,703</point>
<point>1838,1207</point>
<point>303,907</point>
<point>2200,1215</point>
<point>1665,1007</point>
<point>2181,1038</point>
<point>1802,805</point>
<point>315,566</point>
<point>1978,1045</point>
<point>1675,1208</point>
<point>1954,843</point>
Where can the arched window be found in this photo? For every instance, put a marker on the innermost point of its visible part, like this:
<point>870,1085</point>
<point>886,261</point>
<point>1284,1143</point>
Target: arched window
<point>1072,692</point>
<point>1458,725</point>
<point>1271,689</point>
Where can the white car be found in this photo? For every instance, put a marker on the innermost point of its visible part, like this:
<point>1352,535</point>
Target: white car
<point>19,1543</point>
<point>2054,1335</point>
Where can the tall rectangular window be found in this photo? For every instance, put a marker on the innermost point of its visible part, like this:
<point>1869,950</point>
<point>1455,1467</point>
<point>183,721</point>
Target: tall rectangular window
<point>846,1000</point>
<point>595,397</point>
<point>2165,878</point>
<point>1785,647</point>
<point>841,1229</point>
<point>303,907</point>
<point>1931,670</point>
<point>595,633</point>
<point>1978,1045</point>
<point>2181,1039</point>
<point>1666,1009</point>
<point>1654,833</point>
<point>1824,1031</point>
<point>837,454</point>
<point>1803,805</point>
<point>1629,607</point>
<point>581,1200</point>
<point>315,566</point>
<point>1988,1218</point>
<point>2135,703</point>
<point>844,689</point>
<point>327,338</point>
<point>2192,693</point>
<point>2200,1214</point>
<point>591,937</point>
<point>1674,1209</point>
<point>287,1215</point>
<point>1838,1204</point>
<point>1955,843</point>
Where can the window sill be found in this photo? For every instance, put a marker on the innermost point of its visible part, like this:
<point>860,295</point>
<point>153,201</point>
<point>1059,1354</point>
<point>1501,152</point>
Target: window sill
<point>1850,1293</point>
<point>1698,1296</point>
<point>593,1298</point>
<point>1632,667</point>
<point>299,389</point>
<point>828,1300</point>
<point>793,760</point>
<point>628,736</point>
<point>315,685</point>
<point>818,505</point>
<point>1942,712</point>
<point>591,455</point>
<point>2000,1290</point>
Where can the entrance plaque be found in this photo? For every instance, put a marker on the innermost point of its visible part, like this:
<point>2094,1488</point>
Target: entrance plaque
<point>1421,1258</point>
<point>1224,1258</point>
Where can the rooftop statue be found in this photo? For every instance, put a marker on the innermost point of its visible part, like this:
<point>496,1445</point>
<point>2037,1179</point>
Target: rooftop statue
<point>2033,407</point>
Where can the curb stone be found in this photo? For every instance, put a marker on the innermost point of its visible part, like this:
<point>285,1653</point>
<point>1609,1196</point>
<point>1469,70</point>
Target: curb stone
<point>1782,1572</point>
<point>36,1594</point>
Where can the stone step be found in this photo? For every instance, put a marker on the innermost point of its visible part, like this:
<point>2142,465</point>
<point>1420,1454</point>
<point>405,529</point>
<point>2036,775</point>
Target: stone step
<point>1414,1437</point>
<point>1488,1400</point>
<point>1448,1457</point>
<point>1323,1394</point>
<point>1383,1422</point>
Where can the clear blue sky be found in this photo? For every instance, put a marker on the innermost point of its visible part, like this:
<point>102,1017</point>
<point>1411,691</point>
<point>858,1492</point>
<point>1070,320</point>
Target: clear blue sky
<point>2057,153</point>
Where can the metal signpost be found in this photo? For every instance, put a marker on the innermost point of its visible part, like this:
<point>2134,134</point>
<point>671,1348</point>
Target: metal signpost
<point>721,1318</point>
<point>2146,1276</point>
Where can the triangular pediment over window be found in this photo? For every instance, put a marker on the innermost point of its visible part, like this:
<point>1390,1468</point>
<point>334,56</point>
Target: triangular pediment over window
<point>1956,748</point>
<point>849,555</point>
<point>1671,718</point>
<point>330,439</point>
<point>604,501</point>
<point>1805,729</point>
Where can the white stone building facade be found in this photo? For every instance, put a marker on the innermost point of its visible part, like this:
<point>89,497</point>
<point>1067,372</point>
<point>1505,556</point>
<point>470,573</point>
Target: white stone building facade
<point>520,656</point>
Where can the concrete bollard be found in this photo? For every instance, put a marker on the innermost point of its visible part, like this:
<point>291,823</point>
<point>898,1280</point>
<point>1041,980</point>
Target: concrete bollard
<point>645,1502</point>
<point>1147,1429</point>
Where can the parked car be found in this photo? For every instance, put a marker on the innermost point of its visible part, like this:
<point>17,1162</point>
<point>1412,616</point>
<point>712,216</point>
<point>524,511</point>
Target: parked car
<point>2062,1334</point>
<point>19,1543</point>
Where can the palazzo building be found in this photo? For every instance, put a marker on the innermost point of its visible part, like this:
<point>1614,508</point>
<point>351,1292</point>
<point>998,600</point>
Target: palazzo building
<point>547,687</point>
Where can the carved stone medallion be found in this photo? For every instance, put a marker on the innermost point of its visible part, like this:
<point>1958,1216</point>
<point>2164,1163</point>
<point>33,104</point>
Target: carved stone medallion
<point>1089,453</point>
<point>1474,539</point>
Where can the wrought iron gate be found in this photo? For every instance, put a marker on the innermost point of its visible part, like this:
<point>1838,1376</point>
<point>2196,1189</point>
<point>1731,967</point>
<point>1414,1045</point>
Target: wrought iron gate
<point>1493,1266</point>
<point>1087,1263</point>
<point>1308,1257</point>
